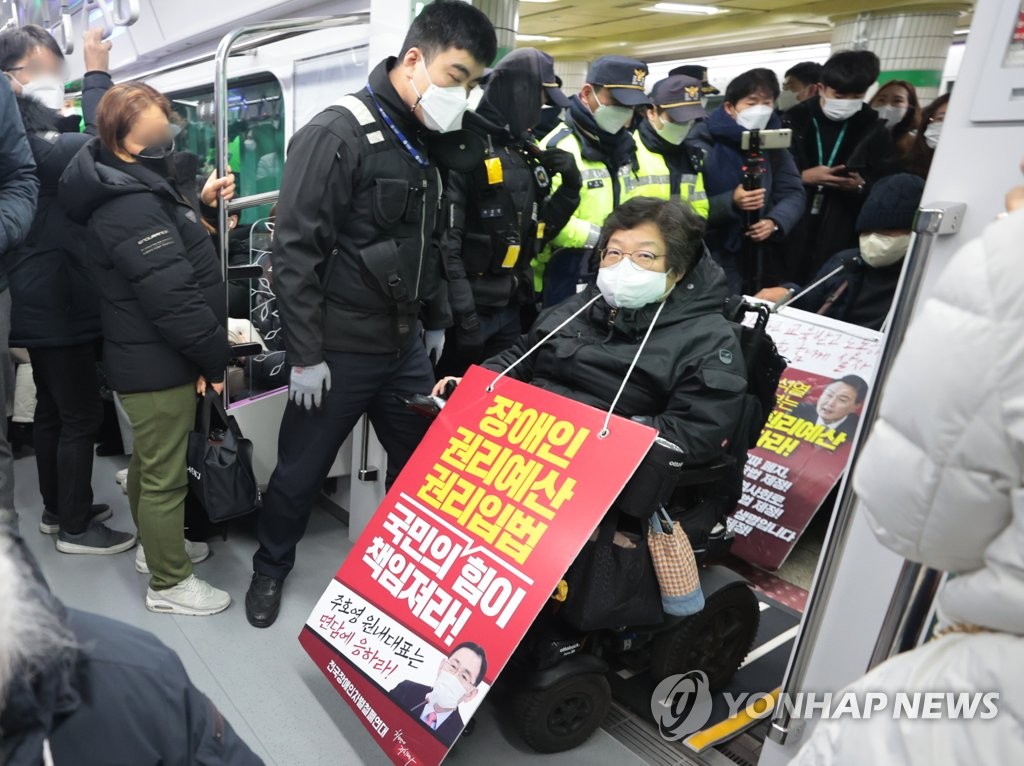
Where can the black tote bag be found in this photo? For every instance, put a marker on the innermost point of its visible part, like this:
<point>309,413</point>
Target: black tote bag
<point>612,586</point>
<point>220,471</point>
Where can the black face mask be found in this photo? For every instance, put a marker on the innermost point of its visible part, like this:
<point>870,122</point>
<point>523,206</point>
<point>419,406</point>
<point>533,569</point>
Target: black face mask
<point>158,157</point>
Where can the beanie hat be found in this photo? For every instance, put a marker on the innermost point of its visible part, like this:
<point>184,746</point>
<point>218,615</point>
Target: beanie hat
<point>891,203</point>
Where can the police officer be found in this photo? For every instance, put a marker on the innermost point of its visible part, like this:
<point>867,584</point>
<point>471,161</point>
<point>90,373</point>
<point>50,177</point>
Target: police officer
<point>355,266</point>
<point>666,169</point>
<point>697,72</point>
<point>595,132</point>
<point>500,208</point>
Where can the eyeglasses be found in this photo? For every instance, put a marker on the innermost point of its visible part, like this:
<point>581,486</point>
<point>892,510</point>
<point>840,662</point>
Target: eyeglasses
<point>642,258</point>
<point>463,674</point>
<point>35,70</point>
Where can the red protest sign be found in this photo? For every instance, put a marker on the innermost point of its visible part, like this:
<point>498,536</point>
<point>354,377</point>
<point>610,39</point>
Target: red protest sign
<point>458,560</point>
<point>805,446</point>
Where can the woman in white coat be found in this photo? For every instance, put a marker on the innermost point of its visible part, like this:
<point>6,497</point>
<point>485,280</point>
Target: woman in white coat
<point>941,480</point>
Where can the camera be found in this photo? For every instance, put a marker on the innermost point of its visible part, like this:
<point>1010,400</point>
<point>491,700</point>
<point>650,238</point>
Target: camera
<point>761,140</point>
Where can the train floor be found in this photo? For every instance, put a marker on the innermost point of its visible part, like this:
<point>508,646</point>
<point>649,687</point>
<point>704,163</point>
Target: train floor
<point>262,680</point>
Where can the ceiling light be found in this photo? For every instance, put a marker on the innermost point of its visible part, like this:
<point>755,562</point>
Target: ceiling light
<point>685,8</point>
<point>537,39</point>
<point>538,1</point>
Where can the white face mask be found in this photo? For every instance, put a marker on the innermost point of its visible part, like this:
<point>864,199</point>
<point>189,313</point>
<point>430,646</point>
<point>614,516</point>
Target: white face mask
<point>841,109</point>
<point>932,133</point>
<point>892,115</point>
<point>755,117</point>
<point>611,119</point>
<point>442,107</point>
<point>674,132</point>
<point>47,89</point>
<point>447,691</point>
<point>878,250</point>
<point>628,286</point>
<point>787,100</point>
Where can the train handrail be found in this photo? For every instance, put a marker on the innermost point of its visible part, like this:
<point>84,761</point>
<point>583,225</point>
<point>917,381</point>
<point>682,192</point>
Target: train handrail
<point>914,587</point>
<point>220,110</point>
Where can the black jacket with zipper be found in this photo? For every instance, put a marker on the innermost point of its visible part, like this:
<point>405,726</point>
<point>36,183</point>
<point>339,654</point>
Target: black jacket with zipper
<point>162,294</point>
<point>356,256</point>
<point>689,382</point>
<point>54,300</point>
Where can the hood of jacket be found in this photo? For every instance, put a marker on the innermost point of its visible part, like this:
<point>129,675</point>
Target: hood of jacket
<point>95,176</point>
<point>35,702</point>
<point>512,96</point>
<point>36,117</point>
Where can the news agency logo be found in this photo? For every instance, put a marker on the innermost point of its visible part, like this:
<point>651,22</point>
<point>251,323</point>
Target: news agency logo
<point>682,705</point>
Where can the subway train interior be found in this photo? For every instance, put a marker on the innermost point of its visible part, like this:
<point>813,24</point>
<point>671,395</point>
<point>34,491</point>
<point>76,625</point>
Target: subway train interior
<point>807,582</point>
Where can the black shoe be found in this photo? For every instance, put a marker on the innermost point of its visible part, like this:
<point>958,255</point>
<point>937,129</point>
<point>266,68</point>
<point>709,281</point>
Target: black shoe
<point>50,523</point>
<point>263,600</point>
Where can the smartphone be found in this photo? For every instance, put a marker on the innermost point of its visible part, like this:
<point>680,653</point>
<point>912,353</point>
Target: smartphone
<point>768,139</point>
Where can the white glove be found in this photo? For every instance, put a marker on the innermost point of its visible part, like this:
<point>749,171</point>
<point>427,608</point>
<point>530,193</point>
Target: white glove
<point>308,385</point>
<point>433,340</point>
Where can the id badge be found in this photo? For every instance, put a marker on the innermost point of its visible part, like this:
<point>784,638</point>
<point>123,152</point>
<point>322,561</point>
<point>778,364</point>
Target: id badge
<point>817,202</point>
<point>495,175</point>
<point>511,256</point>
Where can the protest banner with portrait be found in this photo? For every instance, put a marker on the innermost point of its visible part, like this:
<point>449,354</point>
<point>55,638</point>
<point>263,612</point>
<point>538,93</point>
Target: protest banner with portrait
<point>458,560</point>
<point>805,445</point>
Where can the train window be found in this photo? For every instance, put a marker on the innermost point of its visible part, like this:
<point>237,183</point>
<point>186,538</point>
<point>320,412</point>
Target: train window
<point>255,135</point>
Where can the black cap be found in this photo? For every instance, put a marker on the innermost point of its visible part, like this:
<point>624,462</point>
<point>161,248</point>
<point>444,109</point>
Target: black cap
<point>623,76</point>
<point>697,72</point>
<point>679,95</point>
<point>542,63</point>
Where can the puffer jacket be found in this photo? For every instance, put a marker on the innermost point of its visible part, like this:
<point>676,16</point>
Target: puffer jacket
<point>690,380</point>
<point>942,476</point>
<point>163,300</point>
<point>54,300</point>
<point>967,666</point>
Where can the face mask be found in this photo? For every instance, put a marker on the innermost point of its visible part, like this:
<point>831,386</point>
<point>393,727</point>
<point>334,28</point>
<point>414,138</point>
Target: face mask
<point>755,117</point>
<point>158,157</point>
<point>674,132</point>
<point>841,109</point>
<point>892,115</point>
<point>626,285</point>
<point>47,90</point>
<point>787,100</point>
<point>878,250</point>
<point>442,107</point>
<point>447,691</point>
<point>932,133</point>
<point>611,119</point>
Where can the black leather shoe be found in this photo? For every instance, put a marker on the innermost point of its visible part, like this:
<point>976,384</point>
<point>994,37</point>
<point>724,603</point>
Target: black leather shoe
<point>263,600</point>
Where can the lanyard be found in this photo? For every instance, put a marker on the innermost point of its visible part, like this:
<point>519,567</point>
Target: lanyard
<point>416,155</point>
<point>835,147</point>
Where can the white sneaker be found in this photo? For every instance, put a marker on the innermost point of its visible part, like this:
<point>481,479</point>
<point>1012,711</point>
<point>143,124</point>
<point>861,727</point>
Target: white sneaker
<point>191,596</point>
<point>121,477</point>
<point>196,552</point>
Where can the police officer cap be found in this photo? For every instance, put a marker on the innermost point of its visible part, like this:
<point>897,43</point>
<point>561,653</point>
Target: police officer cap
<point>625,77</point>
<point>680,97</point>
<point>697,72</point>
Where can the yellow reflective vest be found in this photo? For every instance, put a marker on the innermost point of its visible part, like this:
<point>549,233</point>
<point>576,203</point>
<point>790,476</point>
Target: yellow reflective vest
<point>653,180</point>
<point>597,199</point>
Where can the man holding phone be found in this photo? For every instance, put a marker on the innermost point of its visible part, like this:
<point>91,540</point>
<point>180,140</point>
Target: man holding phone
<point>839,143</point>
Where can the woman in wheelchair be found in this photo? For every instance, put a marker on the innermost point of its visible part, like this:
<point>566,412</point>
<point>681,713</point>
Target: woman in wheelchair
<point>690,379</point>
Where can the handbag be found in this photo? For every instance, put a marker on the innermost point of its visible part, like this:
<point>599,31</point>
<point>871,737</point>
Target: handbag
<point>219,462</point>
<point>611,583</point>
<point>675,566</point>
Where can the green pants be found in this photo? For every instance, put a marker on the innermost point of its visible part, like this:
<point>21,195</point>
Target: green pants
<point>157,478</point>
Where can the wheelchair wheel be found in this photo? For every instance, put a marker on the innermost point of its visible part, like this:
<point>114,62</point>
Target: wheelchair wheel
<point>563,716</point>
<point>715,640</point>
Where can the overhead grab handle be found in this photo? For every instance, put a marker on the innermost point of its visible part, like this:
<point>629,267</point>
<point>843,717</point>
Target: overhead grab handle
<point>120,13</point>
